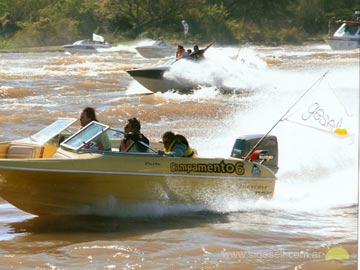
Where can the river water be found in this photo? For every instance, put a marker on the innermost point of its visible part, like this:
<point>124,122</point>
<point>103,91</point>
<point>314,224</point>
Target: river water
<point>315,206</point>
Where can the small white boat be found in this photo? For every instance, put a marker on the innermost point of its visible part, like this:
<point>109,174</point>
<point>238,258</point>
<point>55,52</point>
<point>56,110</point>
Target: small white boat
<point>158,49</point>
<point>97,44</point>
<point>74,177</point>
<point>347,36</point>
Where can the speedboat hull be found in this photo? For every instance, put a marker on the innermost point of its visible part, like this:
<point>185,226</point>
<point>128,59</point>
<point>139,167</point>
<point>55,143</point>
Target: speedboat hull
<point>154,80</point>
<point>155,51</point>
<point>75,185</point>
<point>54,172</point>
<point>343,44</point>
<point>177,75</point>
<point>80,49</point>
<point>86,47</point>
<point>158,49</point>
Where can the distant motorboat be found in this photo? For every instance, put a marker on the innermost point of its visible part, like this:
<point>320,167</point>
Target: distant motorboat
<point>97,44</point>
<point>347,36</point>
<point>158,49</point>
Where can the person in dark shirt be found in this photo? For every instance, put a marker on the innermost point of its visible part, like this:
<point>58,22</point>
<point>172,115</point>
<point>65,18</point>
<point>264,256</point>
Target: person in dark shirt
<point>133,138</point>
<point>198,54</point>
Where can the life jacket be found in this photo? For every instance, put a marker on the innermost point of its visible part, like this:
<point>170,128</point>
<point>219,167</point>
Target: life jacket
<point>179,53</point>
<point>198,55</point>
<point>189,152</point>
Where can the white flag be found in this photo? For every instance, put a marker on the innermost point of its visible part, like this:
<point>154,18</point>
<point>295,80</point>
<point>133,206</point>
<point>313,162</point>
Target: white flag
<point>322,111</point>
<point>98,38</point>
<point>186,27</point>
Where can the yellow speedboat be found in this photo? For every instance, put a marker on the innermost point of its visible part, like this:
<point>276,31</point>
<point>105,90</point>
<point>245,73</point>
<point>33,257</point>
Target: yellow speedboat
<point>73,176</point>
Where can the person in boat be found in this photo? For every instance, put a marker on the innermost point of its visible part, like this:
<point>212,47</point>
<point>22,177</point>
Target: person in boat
<point>87,116</point>
<point>161,41</point>
<point>332,26</point>
<point>176,145</point>
<point>181,53</point>
<point>133,138</point>
<point>198,54</point>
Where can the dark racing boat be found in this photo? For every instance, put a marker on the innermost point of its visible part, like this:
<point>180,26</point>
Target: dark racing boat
<point>176,75</point>
<point>155,79</point>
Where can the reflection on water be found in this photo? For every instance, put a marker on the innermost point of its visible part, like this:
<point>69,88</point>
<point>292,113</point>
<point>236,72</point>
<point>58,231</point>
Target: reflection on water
<point>247,238</point>
<point>121,226</point>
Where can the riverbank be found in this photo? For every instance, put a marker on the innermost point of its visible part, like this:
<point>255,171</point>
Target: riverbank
<point>34,49</point>
<point>59,48</point>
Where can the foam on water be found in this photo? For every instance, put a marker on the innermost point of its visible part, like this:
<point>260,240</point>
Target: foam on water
<point>222,69</point>
<point>136,88</point>
<point>317,170</point>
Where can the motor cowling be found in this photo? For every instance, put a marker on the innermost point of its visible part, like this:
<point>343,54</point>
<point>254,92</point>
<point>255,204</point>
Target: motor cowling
<point>265,153</point>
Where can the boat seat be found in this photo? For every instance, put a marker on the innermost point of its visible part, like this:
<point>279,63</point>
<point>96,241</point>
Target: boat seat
<point>20,151</point>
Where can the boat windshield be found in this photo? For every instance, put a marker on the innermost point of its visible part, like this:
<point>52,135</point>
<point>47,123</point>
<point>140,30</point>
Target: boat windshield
<point>54,129</point>
<point>347,30</point>
<point>84,136</point>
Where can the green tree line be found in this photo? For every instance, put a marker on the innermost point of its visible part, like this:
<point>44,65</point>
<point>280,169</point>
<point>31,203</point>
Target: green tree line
<point>30,23</point>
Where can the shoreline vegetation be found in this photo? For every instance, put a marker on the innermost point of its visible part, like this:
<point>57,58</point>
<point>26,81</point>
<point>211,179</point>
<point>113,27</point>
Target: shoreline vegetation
<point>53,23</point>
<point>34,49</point>
<point>59,48</point>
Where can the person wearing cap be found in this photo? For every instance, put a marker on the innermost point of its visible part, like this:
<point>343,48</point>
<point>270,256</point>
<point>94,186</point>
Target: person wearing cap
<point>133,138</point>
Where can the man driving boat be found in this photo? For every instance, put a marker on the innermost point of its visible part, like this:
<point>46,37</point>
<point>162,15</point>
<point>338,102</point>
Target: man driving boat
<point>87,116</point>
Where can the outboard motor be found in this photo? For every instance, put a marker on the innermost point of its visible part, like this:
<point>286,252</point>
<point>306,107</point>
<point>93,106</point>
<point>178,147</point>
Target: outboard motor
<point>265,153</point>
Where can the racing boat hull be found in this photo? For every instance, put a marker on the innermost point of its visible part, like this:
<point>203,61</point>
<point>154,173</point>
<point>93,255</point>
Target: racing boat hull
<point>77,185</point>
<point>155,51</point>
<point>154,80</point>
